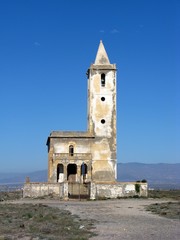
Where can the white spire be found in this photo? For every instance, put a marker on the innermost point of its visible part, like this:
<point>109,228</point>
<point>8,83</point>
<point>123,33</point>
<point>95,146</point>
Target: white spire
<point>101,56</point>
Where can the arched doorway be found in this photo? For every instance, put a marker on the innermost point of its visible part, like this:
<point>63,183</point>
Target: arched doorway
<point>60,173</point>
<point>83,171</point>
<point>71,172</point>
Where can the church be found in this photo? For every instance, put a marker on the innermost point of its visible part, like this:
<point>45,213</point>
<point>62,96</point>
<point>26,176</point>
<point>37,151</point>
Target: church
<point>85,163</point>
<point>91,155</point>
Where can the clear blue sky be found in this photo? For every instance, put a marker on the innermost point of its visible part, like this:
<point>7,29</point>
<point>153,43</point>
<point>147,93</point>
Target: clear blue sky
<point>47,46</point>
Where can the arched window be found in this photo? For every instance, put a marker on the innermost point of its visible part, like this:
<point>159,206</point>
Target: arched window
<point>83,169</point>
<point>103,80</point>
<point>71,150</point>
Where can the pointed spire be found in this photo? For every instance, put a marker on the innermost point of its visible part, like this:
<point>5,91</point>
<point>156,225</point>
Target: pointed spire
<point>101,56</point>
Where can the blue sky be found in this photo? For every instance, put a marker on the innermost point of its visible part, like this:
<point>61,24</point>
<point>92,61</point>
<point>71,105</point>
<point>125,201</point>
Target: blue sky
<point>47,46</point>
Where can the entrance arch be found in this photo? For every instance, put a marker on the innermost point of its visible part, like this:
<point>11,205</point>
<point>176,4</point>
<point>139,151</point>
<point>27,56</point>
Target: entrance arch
<point>71,172</point>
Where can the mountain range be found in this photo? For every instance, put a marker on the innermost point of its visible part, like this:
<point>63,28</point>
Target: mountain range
<point>158,176</point>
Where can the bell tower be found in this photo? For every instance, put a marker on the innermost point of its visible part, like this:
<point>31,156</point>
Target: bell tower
<point>102,108</point>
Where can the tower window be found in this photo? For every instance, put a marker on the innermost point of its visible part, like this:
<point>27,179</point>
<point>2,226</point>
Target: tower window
<point>103,99</point>
<point>103,121</point>
<point>71,150</point>
<point>103,80</point>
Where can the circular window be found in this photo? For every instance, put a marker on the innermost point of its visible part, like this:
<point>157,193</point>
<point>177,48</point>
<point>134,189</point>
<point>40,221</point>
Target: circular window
<point>103,121</point>
<point>103,99</point>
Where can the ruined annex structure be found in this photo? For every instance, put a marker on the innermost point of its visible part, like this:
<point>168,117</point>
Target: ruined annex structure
<point>84,164</point>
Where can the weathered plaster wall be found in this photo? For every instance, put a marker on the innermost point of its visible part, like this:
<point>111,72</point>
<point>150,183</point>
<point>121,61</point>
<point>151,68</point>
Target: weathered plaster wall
<point>118,190</point>
<point>62,145</point>
<point>103,147</point>
<point>43,189</point>
<point>59,154</point>
<point>95,153</point>
<point>99,109</point>
<point>95,190</point>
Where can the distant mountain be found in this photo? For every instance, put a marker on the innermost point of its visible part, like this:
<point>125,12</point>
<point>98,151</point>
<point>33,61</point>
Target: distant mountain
<point>16,178</point>
<point>159,176</point>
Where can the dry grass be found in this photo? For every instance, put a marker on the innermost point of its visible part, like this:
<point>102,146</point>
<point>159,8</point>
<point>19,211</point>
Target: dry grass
<point>165,194</point>
<point>12,195</point>
<point>28,221</point>
<point>168,209</point>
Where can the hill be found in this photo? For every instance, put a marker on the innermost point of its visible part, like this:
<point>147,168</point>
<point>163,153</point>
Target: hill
<point>159,176</point>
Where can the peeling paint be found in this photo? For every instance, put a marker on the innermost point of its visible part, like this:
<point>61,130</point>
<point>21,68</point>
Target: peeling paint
<point>129,188</point>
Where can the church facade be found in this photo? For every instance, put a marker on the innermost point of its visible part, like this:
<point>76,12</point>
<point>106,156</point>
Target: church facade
<point>84,164</point>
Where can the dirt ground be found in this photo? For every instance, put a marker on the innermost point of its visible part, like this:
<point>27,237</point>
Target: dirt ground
<point>124,219</point>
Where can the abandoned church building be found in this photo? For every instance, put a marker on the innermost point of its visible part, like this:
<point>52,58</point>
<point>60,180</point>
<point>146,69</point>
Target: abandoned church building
<point>84,164</point>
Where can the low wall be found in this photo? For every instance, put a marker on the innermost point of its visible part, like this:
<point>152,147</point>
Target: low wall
<point>95,191</point>
<point>45,189</point>
<point>118,190</point>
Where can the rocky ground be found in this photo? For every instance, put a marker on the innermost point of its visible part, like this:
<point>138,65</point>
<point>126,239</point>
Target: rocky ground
<point>109,219</point>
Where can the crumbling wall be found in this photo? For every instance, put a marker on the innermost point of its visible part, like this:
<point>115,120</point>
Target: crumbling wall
<point>95,190</point>
<point>118,190</point>
<point>45,189</point>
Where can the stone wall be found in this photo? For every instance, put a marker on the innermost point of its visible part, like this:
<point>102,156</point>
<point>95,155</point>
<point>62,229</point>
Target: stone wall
<point>118,190</point>
<point>44,189</point>
<point>95,190</point>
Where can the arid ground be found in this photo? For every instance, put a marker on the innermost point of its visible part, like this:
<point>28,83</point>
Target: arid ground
<point>131,219</point>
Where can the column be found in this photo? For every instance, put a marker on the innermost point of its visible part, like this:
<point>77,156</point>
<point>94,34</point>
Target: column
<point>78,173</point>
<point>65,172</point>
